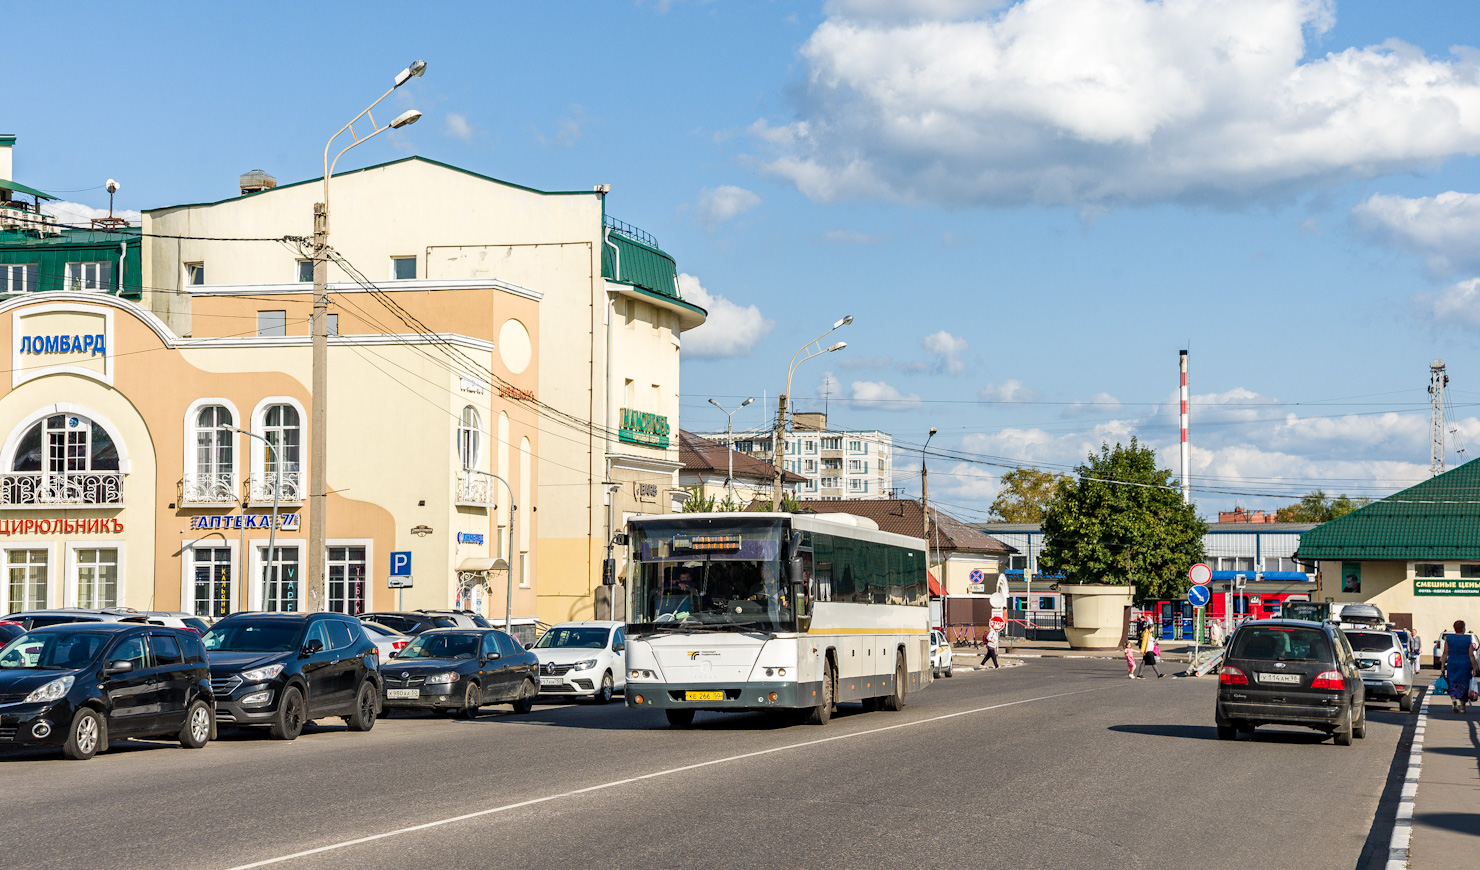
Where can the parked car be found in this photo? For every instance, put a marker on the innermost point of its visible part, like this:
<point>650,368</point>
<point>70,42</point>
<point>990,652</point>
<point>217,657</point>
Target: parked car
<point>172,618</point>
<point>1290,672</point>
<point>29,619</point>
<point>941,655</point>
<point>460,670</point>
<point>9,631</point>
<point>386,639</point>
<point>282,670</point>
<point>583,659</point>
<point>415,622</point>
<point>78,685</point>
<point>1390,674</point>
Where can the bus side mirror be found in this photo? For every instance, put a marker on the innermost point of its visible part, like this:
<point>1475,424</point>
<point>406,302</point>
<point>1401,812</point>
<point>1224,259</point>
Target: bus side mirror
<point>794,571</point>
<point>793,544</point>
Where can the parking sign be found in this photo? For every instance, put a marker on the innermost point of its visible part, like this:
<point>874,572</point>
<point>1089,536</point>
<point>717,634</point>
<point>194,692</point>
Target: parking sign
<point>401,563</point>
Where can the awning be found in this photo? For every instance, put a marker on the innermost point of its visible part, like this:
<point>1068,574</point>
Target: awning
<point>21,188</point>
<point>476,565</point>
<point>934,585</point>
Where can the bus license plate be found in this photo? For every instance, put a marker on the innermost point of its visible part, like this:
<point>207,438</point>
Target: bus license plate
<point>703,696</point>
<point>1279,678</point>
<point>402,694</point>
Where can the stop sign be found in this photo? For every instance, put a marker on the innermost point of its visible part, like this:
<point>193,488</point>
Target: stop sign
<point>998,623</point>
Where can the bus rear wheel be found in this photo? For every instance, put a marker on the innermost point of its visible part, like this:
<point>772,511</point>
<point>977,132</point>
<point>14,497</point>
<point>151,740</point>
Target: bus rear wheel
<point>894,701</point>
<point>822,713</point>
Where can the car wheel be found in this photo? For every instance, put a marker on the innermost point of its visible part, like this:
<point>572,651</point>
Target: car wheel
<point>822,713</point>
<point>1359,728</point>
<point>935,672</point>
<point>894,701</point>
<point>363,719</point>
<point>288,723</point>
<point>950,670</point>
<point>680,718</point>
<point>1227,732</point>
<point>604,696</point>
<point>1405,703</point>
<point>472,700</point>
<point>88,732</point>
<point>196,732</point>
<point>525,701</point>
<point>1342,736</point>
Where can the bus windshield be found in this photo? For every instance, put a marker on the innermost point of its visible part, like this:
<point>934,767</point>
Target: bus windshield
<point>721,574</point>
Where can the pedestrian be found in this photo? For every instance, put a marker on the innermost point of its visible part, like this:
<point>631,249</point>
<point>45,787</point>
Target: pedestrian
<point>1130,657</point>
<point>1459,666</point>
<point>1216,633</point>
<point>991,648</point>
<point>1148,651</point>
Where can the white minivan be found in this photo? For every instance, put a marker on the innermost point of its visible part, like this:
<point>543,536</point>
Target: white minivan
<point>582,660</point>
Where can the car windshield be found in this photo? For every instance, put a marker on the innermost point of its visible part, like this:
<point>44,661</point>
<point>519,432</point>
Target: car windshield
<point>52,650</point>
<point>566,638</point>
<point>1281,644</point>
<point>441,646</point>
<point>708,574</point>
<point>253,637</point>
<point>1370,641</point>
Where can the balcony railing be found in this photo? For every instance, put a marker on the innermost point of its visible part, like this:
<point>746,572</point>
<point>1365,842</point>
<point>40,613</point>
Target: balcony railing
<point>26,488</point>
<point>209,489</point>
<point>264,484</point>
<point>475,490</point>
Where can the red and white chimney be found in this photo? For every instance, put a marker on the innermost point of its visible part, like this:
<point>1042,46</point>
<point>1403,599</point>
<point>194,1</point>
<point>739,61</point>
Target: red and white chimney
<point>1186,450</point>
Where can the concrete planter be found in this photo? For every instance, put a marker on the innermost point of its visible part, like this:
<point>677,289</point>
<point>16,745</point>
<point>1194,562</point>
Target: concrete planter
<point>1096,614</point>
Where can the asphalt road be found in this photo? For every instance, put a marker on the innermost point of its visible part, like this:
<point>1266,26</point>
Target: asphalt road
<point>1055,764</point>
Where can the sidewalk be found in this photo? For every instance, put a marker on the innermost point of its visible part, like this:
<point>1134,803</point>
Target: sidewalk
<point>1446,807</point>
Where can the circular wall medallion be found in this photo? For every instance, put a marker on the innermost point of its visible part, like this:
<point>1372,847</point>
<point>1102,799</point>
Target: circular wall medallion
<point>513,346</point>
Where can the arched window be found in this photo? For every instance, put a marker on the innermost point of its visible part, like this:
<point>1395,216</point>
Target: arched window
<point>469,438</point>
<point>276,465</point>
<point>282,430</point>
<point>64,459</point>
<point>214,476</point>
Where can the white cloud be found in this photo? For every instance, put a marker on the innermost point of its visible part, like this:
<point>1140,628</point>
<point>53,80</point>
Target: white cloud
<point>1098,406</point>
<point>880,396</point>
<point>77,213</point>
<point>568,128</point>
<point>1101,103</point>
<point>458,127</point>
<point>1442,228</point>
<point>850,237</point>
<point>731,330</point>
<point>948,348</point>
<point>718,204</point>
<point>1011,390</point>
<point>1457,305</point>
<point>906,10</point>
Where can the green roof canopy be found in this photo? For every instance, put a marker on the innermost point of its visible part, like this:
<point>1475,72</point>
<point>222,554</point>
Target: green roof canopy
<point>641,265</point>
<point>1437,519</point>
<point>21,188</point>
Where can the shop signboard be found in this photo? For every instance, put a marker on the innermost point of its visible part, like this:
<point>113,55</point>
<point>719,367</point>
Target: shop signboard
<point>640,427</point>
<point>286,521</point>
<point>1446,585</point>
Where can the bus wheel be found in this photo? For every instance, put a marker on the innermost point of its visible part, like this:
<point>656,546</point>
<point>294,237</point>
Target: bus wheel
<point>680,718</point>
<point>894,701</point>
<point>820,714</point>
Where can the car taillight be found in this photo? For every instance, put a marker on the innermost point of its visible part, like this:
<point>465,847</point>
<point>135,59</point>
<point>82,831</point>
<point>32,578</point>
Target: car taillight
<point>1233,676</point>
<point>1397,661</point>
<point>1329,680</point>
<point>399,645</point>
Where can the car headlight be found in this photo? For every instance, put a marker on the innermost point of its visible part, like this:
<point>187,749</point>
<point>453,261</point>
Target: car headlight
<point>581,666</point>
<point>441,679</point>
<point>257,675</point>
<point>51,691</point>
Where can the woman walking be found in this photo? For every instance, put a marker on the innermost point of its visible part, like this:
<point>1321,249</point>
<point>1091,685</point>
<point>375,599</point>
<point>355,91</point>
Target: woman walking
<point>1148,651</point>
<point>1459,666</point>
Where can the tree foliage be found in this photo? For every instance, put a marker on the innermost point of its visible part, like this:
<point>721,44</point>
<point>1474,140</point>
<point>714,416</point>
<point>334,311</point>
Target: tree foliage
<point>1122,521</point>
<point>1025,495</point>
<point>1317,507</point>
<point>699,503</point>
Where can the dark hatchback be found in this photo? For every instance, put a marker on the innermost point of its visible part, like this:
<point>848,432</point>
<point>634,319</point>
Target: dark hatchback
<point>1290,672</point>
<point>417,621</point>
<point>283,670</point>
<point>79,685</point>
<point>460,670</point>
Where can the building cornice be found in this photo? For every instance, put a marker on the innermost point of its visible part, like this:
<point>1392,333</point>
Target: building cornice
<point>304,288</point>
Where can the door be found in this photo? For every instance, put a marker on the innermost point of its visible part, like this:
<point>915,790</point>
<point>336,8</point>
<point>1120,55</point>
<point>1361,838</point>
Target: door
<point>175,679</point>
<point>212,581</point>
<point>345,665</point>
<point>317,671</point>
<point>490,673</point>
<point>510,677</point>
<point>133,697</point>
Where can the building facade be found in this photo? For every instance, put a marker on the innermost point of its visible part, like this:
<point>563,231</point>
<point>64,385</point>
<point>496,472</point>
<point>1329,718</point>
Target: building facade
<point>711,471</point>
<point>837,464</point>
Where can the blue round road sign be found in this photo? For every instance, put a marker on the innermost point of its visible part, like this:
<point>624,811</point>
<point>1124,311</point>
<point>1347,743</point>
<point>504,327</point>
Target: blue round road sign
<point>1199,596</point>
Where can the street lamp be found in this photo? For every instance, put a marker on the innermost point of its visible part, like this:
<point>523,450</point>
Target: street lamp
<point>318,450</point>
<point>811,348</point>
<point>730,443</point>
<point>277,488</point>
<point>925,489</point>
<point>509,572</point>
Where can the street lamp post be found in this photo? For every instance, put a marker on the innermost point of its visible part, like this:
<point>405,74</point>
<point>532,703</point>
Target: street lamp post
<point>508,574</point>
<point>730,444</point>
<point>778,452</point>
<point>318,430</point>
<point>277,487</point>
<point>925,489</point>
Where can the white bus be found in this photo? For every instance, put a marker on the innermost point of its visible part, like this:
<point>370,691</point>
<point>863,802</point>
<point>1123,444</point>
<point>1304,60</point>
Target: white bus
<point>766,611</point>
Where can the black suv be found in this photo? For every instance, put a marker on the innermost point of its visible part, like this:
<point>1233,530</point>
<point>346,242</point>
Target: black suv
<point>284,669</point>
<point>79,684</point>
<point>417,621</point>
<point>1290,672</point>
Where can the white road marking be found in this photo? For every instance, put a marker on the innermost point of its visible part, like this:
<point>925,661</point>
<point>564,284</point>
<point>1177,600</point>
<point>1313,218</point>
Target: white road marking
<point>1403,815</point>
<point>646,776</point>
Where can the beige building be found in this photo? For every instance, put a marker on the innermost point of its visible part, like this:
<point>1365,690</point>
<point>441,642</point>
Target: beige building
<point>585,393</point>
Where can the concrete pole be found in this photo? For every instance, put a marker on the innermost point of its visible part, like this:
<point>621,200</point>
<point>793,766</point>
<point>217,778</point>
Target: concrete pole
<point>778,449</point>
<point>318,456</point>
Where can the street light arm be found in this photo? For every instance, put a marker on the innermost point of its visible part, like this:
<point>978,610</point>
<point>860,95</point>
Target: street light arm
<point>328,167</point>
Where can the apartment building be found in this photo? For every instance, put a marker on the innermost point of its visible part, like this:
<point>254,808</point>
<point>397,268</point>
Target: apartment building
<point>835,464</point>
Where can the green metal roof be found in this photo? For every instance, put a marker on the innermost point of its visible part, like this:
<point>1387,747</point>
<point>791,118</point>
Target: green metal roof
<point>1437,519</point>
<point>21,188</point>
<point>641,265</point>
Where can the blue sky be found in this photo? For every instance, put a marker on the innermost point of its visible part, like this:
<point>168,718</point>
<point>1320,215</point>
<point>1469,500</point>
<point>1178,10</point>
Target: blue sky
<point>1029,208</point>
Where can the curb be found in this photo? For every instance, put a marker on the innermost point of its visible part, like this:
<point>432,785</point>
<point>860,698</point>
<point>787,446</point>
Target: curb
<point>1403,815</point>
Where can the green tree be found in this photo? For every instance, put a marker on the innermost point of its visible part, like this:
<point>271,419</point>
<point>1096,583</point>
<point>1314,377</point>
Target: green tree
<point>699,503</point>
<point>1122,521</point>
<point>1025,495</point>
<point>1317,507</point>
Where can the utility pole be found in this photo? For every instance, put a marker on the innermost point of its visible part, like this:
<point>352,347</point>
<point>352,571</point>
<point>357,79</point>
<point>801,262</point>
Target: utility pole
<point>778,451</point>
<point>1438,380</point>
<point>318,453</point>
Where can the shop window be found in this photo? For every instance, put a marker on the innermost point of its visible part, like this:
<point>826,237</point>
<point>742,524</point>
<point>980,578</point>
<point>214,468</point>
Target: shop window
<point>1428,569</point>
<point>29,579</point>
<point>280,580</point>
<point>469,438</point>
<point>64,459</point>
<point>1045,603</point>
<point>273,324</point>
<point>403,268</point>
<point>18,277</point>
<point>97,577</point>
<point>1469,572</point>
<point>90,276</point>
<point>212,581</point>
<point>347,580</point>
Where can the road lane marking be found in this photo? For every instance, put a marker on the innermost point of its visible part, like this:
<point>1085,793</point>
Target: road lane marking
<point>1403,815</point>
<point>646,776</point>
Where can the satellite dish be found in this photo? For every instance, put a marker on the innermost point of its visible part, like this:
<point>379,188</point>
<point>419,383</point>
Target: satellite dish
<point>112,186</point>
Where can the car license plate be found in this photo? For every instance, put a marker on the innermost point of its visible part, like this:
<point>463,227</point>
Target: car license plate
<point>703,696</point>
<point>551,681</point>
<point>1279,678</point>
<point>402,694</point>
